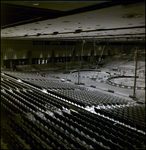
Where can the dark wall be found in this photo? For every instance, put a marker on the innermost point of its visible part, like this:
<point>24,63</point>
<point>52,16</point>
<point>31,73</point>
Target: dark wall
<point>55,51</point>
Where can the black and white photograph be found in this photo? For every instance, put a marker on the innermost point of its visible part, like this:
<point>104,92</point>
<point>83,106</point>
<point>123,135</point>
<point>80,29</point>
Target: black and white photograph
<point>73,74</point>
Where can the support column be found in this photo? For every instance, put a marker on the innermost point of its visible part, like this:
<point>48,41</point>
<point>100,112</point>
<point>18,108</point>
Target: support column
<point>2,60</point>
<point>11,64</point>
<point>19,62</point>
<point>91,56</point>
<point>136,55</point>
<point>39,61</point>
<point>73,55</point>
<point>52,58</point>
<point>29,57</point>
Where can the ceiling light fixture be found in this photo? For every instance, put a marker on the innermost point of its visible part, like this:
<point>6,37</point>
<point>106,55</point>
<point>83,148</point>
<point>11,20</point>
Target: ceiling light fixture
<point>88,17</point>
<point>65,21</point>
<point>130,16</point>
<point>35,4</point>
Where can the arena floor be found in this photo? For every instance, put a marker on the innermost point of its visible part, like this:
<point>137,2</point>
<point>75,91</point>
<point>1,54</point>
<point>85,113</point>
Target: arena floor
<point>140,94</point>
<point>102,86</point>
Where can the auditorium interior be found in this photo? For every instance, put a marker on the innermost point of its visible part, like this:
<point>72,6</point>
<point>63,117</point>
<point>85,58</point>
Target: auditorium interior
<point>73,75</point>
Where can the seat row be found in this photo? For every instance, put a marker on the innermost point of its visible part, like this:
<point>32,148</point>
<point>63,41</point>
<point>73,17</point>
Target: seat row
<point>48,99</point>
<point>13,84</point>
<point>75,125</point>
<point>26,135</point>
<point>48,136</point>
<point>12,142</point>
<point>135,120</point>
<point>56,85</point>
<point>12,107</point>
<point>68,132</point>
<point>88,97</point>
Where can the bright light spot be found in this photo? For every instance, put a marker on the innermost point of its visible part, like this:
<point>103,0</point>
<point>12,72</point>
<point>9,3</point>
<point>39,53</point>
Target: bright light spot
<point>35,4</point>
<point>19,80</point>
<point>44,90</point>
<point>63,80</point>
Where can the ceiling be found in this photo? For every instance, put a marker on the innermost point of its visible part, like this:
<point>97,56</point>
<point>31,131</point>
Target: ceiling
<point>75,20</point>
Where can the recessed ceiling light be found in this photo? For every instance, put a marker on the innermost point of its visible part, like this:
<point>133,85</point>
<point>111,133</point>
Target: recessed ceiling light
<point>130,16</point>
<point>66,21</point>
<point>35,4</point>
<point>88,17</point>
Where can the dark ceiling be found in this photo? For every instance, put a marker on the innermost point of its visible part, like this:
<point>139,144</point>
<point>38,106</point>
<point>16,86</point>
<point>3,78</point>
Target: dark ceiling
<point>16,15</point>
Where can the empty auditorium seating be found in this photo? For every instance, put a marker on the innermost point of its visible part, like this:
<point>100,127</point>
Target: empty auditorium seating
<point>55,124</point>
<point>133,115</point>
<point>26,68</point>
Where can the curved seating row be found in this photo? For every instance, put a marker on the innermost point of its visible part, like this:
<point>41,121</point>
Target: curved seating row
<point>57,85</point>
<point>95,98</point>
<point>80,124</point>
<point>130,115</point>
<point>68,128</point>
